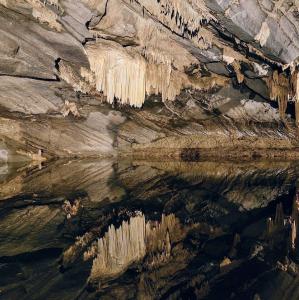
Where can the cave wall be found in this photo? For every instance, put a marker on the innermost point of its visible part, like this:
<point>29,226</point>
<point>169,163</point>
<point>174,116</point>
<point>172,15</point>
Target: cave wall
<point>165,77</point>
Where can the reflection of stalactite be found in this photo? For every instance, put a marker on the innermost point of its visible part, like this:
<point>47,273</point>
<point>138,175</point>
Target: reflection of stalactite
<point>270,226</point>
<point>277,224</point>
<point>71,254</point>
<point>129,243</point>
<point>294,222</point>
<point>156,232</point>
<point>293,234</point>
<point>119,248</point>
<point>279,215</point>
<point>236,241</point>
<point>158,242</point>
<point>295,208</point>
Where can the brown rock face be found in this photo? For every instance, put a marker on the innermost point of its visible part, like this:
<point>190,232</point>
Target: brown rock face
<point>168,76</point>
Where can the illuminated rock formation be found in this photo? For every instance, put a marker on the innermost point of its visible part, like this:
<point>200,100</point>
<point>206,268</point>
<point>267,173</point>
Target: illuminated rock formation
<point>124,74</point>
<point>118,73</point>
<point>184,54</point>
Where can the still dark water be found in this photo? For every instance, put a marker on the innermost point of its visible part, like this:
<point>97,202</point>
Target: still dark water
<point>149,230</point>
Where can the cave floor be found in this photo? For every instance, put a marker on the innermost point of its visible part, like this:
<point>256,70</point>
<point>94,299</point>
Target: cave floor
<point>117,229</point>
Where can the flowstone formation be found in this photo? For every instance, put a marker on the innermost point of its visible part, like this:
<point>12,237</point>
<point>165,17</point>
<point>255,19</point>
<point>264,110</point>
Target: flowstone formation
<point>110,77</point>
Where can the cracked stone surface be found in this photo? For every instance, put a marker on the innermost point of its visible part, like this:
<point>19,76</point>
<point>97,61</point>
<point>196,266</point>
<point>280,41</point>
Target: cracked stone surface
<point>201,73</point>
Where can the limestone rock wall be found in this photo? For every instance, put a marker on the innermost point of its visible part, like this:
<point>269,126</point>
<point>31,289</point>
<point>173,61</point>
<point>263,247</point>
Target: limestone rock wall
<point>59,53</point>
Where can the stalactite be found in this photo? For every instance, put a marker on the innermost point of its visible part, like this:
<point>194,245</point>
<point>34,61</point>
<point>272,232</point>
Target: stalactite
<point>233,58</point>
<point>51,2</point>
<point>205,38</point>
<point>151,38</point>
<point>155,43</point>
<point>158,79</point>
<point>129,74</point>
<point>280,90</point>
<point>237,68</point>
<point>95,3</point>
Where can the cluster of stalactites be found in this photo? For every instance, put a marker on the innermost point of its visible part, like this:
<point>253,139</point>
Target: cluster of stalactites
<point>125,74</point>
<point>118,73</point>
<point>279,87</point>
<point>157,231</point>
<point>129,243</point>
<point>153,43</point>
<point>183,17</point>
<point>282,88</point>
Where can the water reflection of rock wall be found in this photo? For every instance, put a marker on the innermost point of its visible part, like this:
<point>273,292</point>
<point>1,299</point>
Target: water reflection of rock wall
<point>119,248</point>
<point>284,229</point>
<point>130,243</point>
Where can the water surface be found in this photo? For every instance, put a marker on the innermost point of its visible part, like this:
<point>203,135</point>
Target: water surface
<point>148,230</point>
